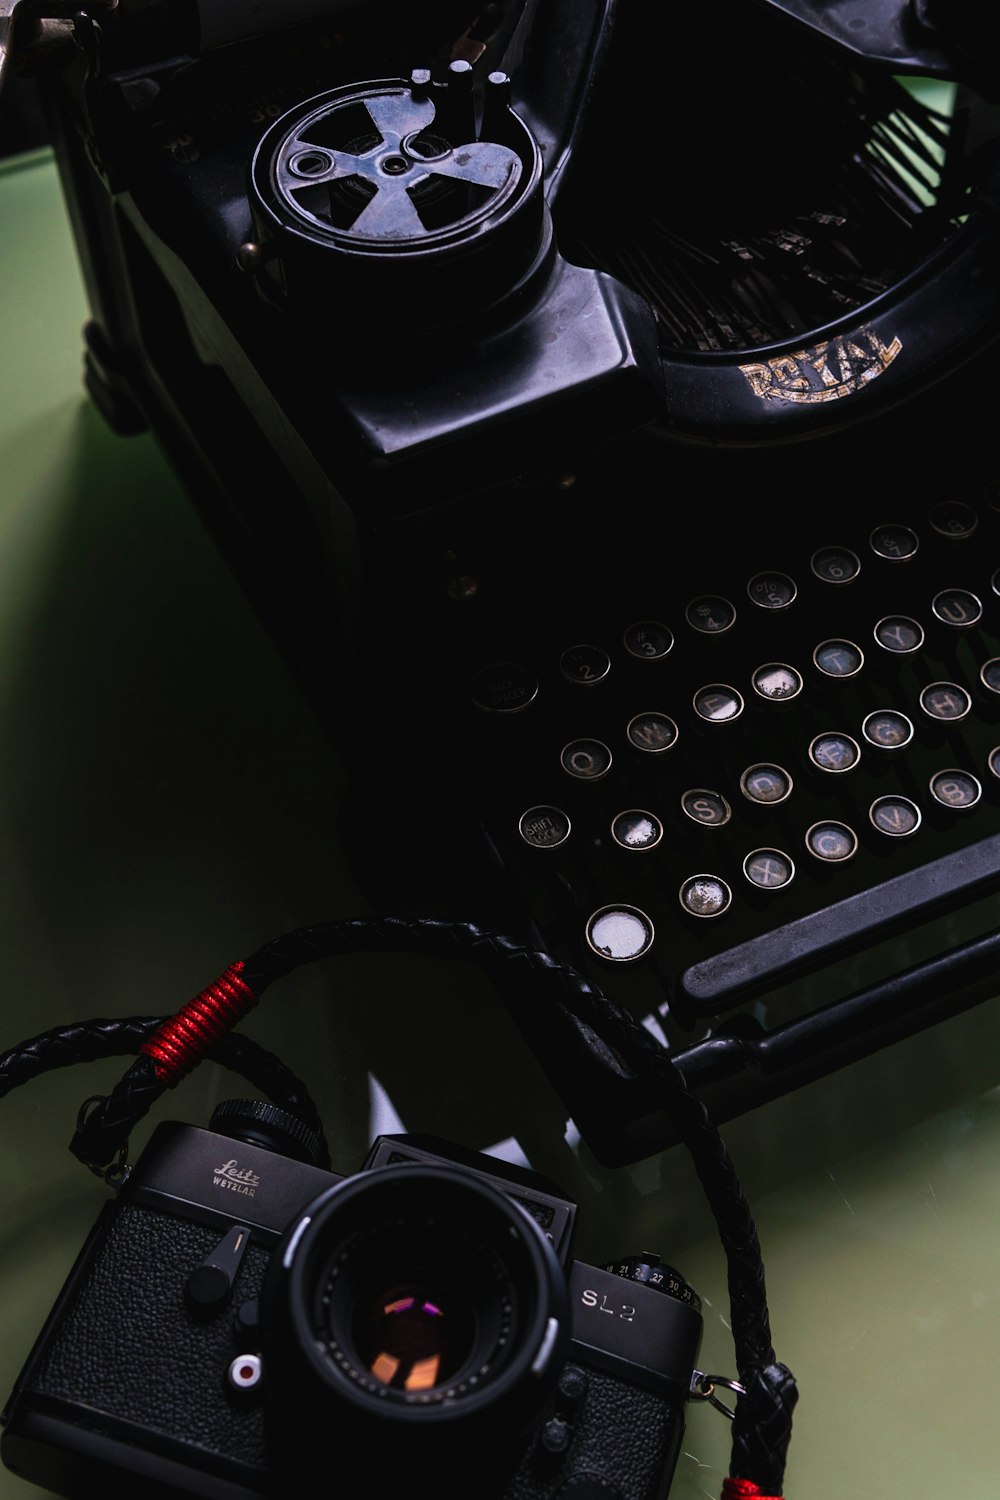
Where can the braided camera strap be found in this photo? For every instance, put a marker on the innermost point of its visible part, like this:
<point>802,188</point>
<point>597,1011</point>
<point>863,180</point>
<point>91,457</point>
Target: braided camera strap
<point>169,1049</point>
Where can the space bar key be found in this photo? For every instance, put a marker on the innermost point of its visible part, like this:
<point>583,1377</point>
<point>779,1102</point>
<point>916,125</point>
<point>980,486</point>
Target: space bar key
<point>856,922</point>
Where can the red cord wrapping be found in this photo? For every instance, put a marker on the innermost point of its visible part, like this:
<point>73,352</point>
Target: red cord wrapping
<point>744,1489</point>
<point>182,1041</point>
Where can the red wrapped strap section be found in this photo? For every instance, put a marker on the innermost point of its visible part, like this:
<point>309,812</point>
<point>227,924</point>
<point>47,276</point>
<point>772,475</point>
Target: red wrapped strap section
<point>182,1041</point>
<point>744,1489</point>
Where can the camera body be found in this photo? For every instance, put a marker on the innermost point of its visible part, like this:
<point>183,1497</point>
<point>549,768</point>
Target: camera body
<point>238,1308</point>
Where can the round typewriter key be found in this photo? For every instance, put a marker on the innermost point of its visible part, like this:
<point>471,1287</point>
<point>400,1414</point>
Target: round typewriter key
<point>585,665</point>
<point>955,789</point>
<point>710,614</point>
<point>989,674</point>
<point>957,608</point>
<point>705,896</point>
<point>648,640</point>
<point>831,842</point>
<point>834,752</point>
<point>953,518</point>
<point>718,703</point>
<point>587,760</point>
<point>836,564</point>
<point>900,634</point>
<point>945,701</point>
<point>504,687</point>
<point>839,658</point>
<point>620,933</point>
<point>887,730</point>
<point>771,590</point>
<point>710,809</point>
<point>894,543</point>
<point>636,829</point>
<point>652,733</point>
<point>777,682</point>
<point>766,784</point>
<point>544,827</point>
<point>993,760</point>
<point>769,869</point>
<point>895,816</point>
<point>995,581</point>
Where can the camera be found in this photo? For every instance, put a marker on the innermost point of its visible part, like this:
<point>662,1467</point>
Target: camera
<point>239,1313</point>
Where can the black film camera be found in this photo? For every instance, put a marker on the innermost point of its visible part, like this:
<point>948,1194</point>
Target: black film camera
<point>238,1310</point>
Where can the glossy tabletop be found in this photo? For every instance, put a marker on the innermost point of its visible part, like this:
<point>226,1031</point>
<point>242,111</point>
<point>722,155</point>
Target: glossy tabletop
<point>168,804</point>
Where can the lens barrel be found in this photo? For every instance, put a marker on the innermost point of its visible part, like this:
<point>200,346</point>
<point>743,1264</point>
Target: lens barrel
<point>409,1308</point>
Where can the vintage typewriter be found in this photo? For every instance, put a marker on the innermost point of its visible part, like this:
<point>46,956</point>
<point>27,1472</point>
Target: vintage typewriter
<point>595,400</point>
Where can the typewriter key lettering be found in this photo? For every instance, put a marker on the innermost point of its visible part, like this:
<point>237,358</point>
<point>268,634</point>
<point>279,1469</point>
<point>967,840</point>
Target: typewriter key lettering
<point>710,614</point>
<point>709,808</point>
<point>765,783</point>
<point>953,518</point>
<point>887,729</point>
<point>832,842</point>
<point>504,688</point>
<point>900,634</point>
<point>772,590</point>
<point>769,869</point>
<point>652,732</point>
<point>894,543</point>
<point>718,703</point>
<point>648,640</point>
<point>544,827</point>
<point>839,658</point>
<point>958,608</point>
<point>895,816</point>
<point>955,789</point>
<point>834,752</point>
<point>585,664</point>
<point>836,564</point>
<point>945,700</point>
<point>588,760</point>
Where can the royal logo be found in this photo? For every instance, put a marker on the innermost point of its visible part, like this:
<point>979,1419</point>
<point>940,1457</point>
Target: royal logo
<point>839,367</point>
<point>236,1178</point>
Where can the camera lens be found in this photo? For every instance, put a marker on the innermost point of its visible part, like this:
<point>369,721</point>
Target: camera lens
<point>417,1308</point>
<point>417,1297</point>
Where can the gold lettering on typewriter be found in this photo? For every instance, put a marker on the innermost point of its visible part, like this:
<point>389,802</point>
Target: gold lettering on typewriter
<point>839,367</point>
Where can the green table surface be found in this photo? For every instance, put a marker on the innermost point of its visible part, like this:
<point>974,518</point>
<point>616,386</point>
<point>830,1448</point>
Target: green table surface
<point>168,803</point>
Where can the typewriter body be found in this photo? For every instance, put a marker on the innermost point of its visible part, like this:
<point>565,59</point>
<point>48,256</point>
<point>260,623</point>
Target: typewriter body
<point>595,406</point>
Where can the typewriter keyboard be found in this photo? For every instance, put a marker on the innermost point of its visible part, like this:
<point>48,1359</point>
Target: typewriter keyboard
<point>722,782</point>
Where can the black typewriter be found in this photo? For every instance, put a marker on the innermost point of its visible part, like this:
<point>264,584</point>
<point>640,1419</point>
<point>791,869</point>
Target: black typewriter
<point>596,405</point>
